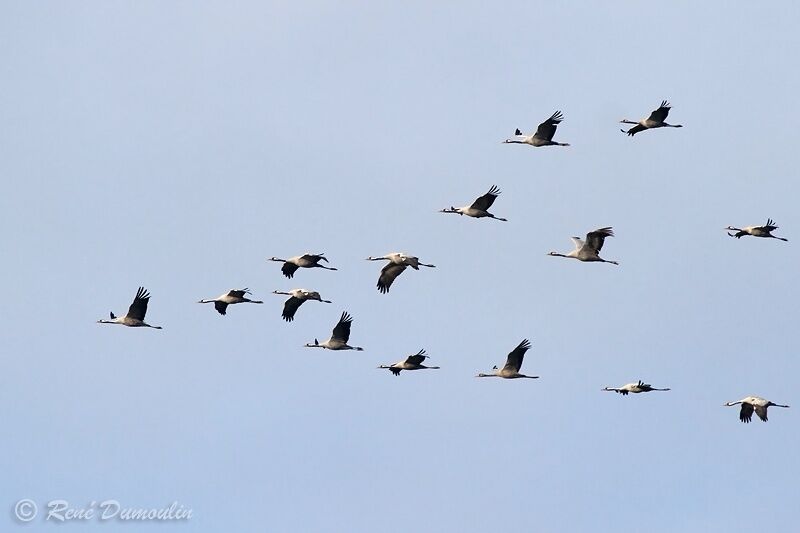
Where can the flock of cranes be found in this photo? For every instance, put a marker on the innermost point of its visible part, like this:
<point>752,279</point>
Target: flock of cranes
<point>586,250</point>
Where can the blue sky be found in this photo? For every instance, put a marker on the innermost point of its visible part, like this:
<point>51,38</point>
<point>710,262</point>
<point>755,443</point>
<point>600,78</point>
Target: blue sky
<point>177,146</point>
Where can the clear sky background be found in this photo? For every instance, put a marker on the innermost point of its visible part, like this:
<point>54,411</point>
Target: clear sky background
<point>178,145</point>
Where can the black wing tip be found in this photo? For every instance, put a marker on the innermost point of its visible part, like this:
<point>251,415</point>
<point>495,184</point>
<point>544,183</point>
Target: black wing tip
<point>346,317</point>
<point>607,231</point>
<point>524,345</point>
<point>494,190</point>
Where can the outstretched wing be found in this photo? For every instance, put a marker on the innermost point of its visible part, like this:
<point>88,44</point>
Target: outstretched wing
<point>761,411</point>
<point>517,132</point>
<point>342,330</point>
<point>290,308</point>
<point>746,414</point>
<point>660,114</point>
<point>238,293</point>
<point>417,358</point>
<point>388,275</point>
<point>289,269</point>
<point>221,307</point>
<point>596,238</point>
<point>514,361</point>
<point>770,225</point>
<point>138,308</point>
<point>578,242</point>
<point>314,258</point>
<point>485,202</point>
<point>547,129</point>
<point>634,130</point>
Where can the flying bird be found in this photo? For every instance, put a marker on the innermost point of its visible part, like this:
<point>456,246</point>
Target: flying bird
<point>412,362</point>
<point>233,296</point>
<point>756,231</point>
<point>480,207</point>
<point>513,364</point>
<point>136,312</point>
<point>588,250</point>
<point>398,262</point>
<point>756,403</point>
<point>635,388</point>
<point>307,260</point>
<point>297,298</point>
<point>655,120</point>
<point>544,133</point>
<point>339,337</point>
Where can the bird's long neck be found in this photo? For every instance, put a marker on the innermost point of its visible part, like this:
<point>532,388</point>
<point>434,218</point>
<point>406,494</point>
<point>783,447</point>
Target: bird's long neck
<point>611,389</point>
<point>277,259</point>
<point>281,292</point>
<point>207,301</point>
<point>658,389</point>
<point>316,346</point>
<point>731,404</point>
<point>556,254</point>
<point>514,141</point>
<point>482,375</point>
<point>673,125</point>
<point>626,121</point>
<point>379,258</point>
<point>529,377</point>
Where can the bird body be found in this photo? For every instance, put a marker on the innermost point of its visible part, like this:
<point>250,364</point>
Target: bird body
<point>655,120</point>
<point>307,260</point>
<point>544,133</point>
<point>588,251</point>
<point>513,364</point>
<point>233,296</point>
<point>754,403</point>
<point>412,362</point>
<point>339,337</point>
<point>635,388</point>
<point>398,262</point>
<point>297,298</point>
<point>756,231</point>
<point>136,312</point>
<point>480,207</point>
